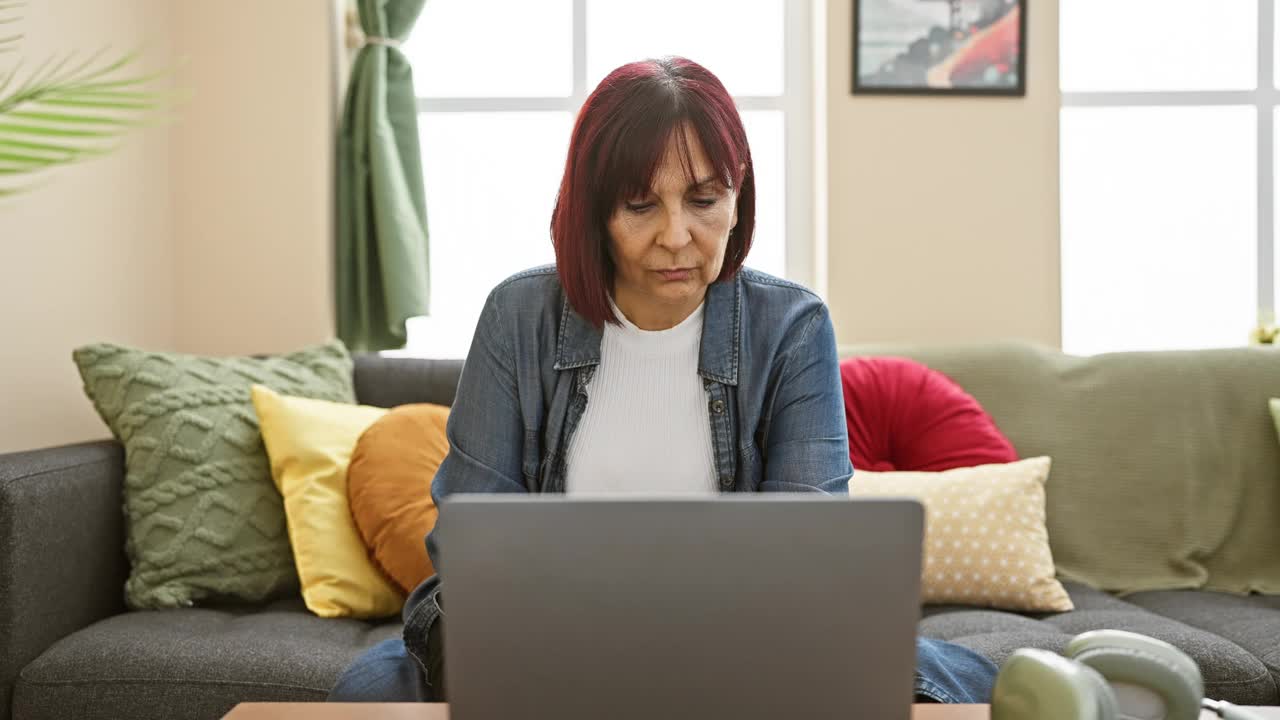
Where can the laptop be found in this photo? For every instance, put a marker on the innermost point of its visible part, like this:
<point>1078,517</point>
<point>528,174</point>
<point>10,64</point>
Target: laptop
<point>729,607</point>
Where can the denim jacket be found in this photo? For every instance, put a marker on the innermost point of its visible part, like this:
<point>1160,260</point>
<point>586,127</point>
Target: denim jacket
<point>768,365</point>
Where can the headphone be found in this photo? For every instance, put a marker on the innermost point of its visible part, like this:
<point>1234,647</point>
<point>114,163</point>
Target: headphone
<point>1106,675</point>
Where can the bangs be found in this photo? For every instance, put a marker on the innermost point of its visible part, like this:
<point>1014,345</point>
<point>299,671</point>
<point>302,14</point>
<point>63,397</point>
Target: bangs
<point>632,158</point>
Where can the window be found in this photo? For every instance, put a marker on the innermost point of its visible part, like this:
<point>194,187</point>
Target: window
<point>1167,126</point>
<point>499,83</point>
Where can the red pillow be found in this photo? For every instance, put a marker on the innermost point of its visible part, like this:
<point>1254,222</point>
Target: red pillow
<point>903,415</point>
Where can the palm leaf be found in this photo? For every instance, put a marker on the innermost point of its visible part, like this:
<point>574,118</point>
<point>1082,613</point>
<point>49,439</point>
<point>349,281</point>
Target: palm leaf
<point>71,108</point>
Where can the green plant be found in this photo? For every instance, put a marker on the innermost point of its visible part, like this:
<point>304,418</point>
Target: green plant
<point>71,108</point>
<point>1266,333</point>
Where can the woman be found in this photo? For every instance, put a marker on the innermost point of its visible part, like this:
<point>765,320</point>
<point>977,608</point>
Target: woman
<point>647,359</point>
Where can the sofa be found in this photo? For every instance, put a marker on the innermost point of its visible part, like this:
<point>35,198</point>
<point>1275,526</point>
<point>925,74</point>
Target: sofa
<point>69,647</point>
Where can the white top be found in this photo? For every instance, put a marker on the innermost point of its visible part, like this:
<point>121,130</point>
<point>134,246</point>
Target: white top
<point>646,429</point>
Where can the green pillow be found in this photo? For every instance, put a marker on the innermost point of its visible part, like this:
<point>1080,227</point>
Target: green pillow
<point>204,520</point>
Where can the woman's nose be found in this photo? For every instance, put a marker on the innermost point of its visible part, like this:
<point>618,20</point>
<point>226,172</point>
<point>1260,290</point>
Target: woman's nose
<point>675,233</point>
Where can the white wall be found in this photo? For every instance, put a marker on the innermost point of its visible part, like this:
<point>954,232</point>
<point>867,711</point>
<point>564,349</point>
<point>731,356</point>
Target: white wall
<point>252,169</point>
<point>212,235</point>
<point>943,215</point>
<point>88,255</point>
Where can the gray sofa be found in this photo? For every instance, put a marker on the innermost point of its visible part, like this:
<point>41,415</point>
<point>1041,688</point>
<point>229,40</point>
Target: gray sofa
<point>69,648</point>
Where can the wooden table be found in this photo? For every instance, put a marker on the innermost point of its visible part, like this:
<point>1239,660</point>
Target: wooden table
<point>429,711</point>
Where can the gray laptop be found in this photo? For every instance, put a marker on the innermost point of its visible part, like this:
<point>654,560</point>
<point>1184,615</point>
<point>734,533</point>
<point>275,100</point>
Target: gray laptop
<point>734,607</point>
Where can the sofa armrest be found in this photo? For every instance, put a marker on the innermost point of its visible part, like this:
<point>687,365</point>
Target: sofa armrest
<point>62,562</point>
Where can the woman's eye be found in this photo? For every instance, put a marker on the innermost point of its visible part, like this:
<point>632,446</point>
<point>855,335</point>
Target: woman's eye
<point>704,202</point>
<point>639,207</point>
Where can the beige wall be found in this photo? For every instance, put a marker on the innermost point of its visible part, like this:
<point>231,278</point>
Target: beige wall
<point>87,256</point>
<point>212,235</point>
<point>943,214</point>
<point>251,168</point>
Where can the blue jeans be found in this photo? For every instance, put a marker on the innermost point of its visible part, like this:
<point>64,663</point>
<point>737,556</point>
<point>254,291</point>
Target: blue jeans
<point>945,673</point>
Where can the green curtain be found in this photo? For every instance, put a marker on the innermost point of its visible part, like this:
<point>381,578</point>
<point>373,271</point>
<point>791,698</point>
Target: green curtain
<point>381,266</point>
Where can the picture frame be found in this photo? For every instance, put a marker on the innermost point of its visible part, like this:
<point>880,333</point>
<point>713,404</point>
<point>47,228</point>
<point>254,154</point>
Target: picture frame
<point>940,47</point>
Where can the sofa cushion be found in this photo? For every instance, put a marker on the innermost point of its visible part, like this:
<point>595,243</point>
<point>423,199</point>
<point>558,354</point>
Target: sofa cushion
<point>1250,621</point>
<point>389,486</point>
<point>192,663</point>
<point>204,521</point>
<point>903,415</point>
<point>1230,672</point>
<point>984,540</point>
<point>1187,436</point>
<point>309,443</point>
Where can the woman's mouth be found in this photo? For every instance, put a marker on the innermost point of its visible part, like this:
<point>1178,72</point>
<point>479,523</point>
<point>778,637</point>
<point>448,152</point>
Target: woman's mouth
<point>676,274</point>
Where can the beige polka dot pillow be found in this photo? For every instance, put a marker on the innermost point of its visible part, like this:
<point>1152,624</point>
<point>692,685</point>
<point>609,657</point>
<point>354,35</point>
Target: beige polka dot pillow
<point>985,537</point>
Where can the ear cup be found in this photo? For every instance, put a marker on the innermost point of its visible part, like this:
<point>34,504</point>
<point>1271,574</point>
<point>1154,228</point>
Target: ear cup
<point>1042,685</point>
<point>1135,664</point>
<point>1108,707</point>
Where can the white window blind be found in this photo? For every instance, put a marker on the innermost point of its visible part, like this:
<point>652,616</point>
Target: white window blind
<point>1167,173</point>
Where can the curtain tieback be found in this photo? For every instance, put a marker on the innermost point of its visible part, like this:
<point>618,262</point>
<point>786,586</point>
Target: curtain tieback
<point>375,40</point>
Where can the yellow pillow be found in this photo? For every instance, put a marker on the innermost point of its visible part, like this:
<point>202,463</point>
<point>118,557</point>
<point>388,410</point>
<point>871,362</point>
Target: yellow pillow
<point>309,443</point>
<point>985,537</point>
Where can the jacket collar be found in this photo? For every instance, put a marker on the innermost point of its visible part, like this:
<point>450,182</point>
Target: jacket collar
<point>578,344</point>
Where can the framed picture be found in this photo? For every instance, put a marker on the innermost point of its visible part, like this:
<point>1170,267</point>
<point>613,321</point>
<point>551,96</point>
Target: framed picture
<point>940,47</point>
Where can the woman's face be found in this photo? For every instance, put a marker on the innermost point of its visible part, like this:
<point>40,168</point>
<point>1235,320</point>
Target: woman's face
<point>668,245</point>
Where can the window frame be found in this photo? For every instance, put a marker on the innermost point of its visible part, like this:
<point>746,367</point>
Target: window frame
<point>795,103</point>
<point>1265,99</point>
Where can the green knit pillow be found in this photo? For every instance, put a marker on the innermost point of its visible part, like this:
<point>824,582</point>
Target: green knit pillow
<point>204,520</point>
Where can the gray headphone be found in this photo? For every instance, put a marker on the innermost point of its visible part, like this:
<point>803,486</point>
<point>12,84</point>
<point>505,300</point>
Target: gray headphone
<point>1106,675</point>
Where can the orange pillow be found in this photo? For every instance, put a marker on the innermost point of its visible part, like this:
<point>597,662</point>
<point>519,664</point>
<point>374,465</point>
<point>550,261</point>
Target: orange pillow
<point>389,489</point>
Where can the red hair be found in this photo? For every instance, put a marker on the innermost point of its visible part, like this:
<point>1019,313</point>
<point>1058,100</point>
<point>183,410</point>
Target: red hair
<point>618,141</point>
